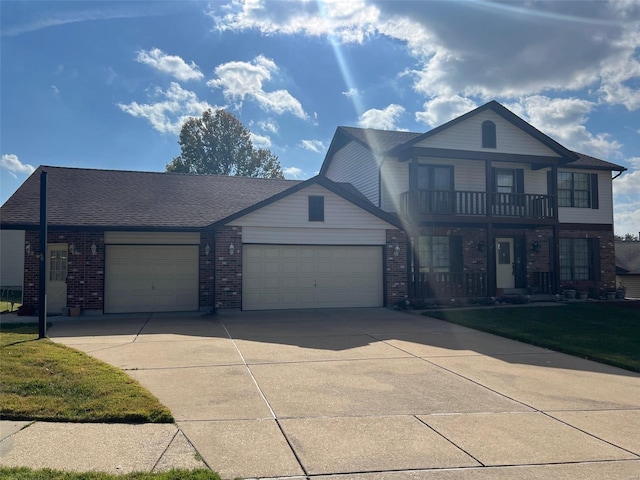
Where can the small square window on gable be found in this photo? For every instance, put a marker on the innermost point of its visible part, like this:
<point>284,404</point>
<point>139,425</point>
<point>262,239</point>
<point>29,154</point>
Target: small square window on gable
<point>488,134</point>
<point>316,208</point>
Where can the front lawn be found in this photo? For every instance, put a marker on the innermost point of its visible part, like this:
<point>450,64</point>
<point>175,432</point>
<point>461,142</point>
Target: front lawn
<point>47,474</point>
<point>42,380</point>
<point>600,332</point>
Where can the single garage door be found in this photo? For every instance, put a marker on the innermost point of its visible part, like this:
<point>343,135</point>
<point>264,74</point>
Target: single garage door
<point>151,278</point>
<point>305,276</point>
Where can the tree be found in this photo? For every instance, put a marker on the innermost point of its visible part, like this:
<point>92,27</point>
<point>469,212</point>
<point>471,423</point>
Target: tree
<point>219,144</point>
<point>628,237</point>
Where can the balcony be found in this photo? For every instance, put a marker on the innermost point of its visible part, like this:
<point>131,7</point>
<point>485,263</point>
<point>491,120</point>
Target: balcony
<point>464,203</point>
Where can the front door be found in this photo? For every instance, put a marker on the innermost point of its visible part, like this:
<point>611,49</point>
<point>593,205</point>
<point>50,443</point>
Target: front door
<point>505,263</point>
<point>57,255</point>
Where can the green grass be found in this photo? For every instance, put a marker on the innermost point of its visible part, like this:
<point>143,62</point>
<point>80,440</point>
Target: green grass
<point>599,332</point>
<point>46,474</point>
<point>6,306</point>
<point>42,380</point>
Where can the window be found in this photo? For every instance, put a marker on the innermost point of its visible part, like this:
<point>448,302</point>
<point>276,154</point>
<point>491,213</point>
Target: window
<point>488,134</point>
<point>505,180</point>
<point>316,208</point>
<point>434,254</point>
<point>575,255</point>
<point>574,190</point>
<point>58,266</point>
<point>438,181</point>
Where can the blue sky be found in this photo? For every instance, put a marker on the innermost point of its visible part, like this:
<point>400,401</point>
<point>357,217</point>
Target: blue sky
<point>108,84</point>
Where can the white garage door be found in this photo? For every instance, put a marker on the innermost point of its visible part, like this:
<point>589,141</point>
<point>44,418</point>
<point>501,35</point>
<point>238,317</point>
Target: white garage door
<point>304,276</point>
<point>151,278</point>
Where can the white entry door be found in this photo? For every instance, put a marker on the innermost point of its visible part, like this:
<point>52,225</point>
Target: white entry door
<point>311,276</point>
<point>505,263</point>
<point>57,257</point>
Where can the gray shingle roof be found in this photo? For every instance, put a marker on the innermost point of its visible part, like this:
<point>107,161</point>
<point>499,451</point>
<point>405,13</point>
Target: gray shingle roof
<point>586,161</point>
<point>628,257</point>
<point>380,140</point>
<point>127,199</point>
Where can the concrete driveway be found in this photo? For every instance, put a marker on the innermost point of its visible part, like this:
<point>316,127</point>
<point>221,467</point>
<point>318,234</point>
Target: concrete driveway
<point>371,393</point>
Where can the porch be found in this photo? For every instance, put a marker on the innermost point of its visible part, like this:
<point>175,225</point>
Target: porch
<point>472,284</point>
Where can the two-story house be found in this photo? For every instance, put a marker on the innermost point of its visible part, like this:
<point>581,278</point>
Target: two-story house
<point>490,204</point>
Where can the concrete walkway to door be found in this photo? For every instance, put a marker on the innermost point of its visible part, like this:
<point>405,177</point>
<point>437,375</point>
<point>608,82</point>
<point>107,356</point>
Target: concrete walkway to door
<point>373,394</point>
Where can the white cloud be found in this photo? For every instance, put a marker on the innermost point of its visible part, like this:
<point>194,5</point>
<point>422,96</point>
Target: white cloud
<point>313,145</point>
<point>500,49</point>
<point>14,166</point>
<point>347,21</point>
<point>440,110</point>
<point>352,92</point>
<point>382,119</point>
<point>293,173</point>
<point>270,126</point>
<point>240,80</point>
<point>171,64</point>
<point>174,107</point>
<point>564,119</point>
<point>55,90</point>
<point>260,141</point>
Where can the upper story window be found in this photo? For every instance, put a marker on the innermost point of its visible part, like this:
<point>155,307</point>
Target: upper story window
<point>316,208</point>
<point>434,177</point>
<point>488,134</point>
<point>574,190</point>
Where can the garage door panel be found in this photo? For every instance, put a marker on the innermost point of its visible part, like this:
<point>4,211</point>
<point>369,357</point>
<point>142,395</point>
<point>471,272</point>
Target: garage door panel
<point>304,276</point>
<point>151,278</point>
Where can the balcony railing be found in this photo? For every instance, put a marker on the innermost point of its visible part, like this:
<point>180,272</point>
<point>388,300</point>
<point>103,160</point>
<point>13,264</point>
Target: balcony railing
<point>459,202</point>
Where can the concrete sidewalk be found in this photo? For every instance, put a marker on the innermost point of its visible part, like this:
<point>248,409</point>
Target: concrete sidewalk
<point>347,394</point>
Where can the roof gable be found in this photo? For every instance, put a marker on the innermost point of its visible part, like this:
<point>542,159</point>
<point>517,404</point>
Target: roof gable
<point>505,114</point>
<point>344,191</point>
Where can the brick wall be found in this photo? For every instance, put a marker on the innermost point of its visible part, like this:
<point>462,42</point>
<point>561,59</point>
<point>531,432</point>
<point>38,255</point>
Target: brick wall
<point>85,271</point>
<point>206,263</point>
<point>228,268</point>
<point>396,267</point>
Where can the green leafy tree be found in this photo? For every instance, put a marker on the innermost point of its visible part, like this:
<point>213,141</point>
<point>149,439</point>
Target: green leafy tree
<point>219,144</point>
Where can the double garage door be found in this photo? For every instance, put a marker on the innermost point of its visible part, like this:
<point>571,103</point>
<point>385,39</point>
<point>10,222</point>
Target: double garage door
<point>308,276</point>
<point>151,278</point>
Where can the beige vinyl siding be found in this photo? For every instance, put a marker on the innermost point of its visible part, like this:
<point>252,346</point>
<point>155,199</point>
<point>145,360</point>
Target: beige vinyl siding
<point>293,212</point>
<point>356,164</point>
<point>468,175</point>
<point>152,238</point>
<point>601,215</point>
<point>631,283</point>
<point>394,181</point>
<point>535,181</point>
<point>328,236</point>
<point>12,257</point>
<point>467,135</point>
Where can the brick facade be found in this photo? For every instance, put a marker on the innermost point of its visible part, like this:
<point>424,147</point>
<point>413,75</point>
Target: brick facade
<point>395,267</point>
<point>85,270</point>
<point>206,257</point>
<point>228,268</point>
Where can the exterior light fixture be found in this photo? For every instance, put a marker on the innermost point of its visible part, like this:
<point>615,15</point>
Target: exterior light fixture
<point>207,249</point>
<point>481,246</point>
<point>94,248</point>
<point>231,249</point>
<point>28,249</point>
<point>396,251</point>
<point>73,250</point>
<point>535,246</point>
